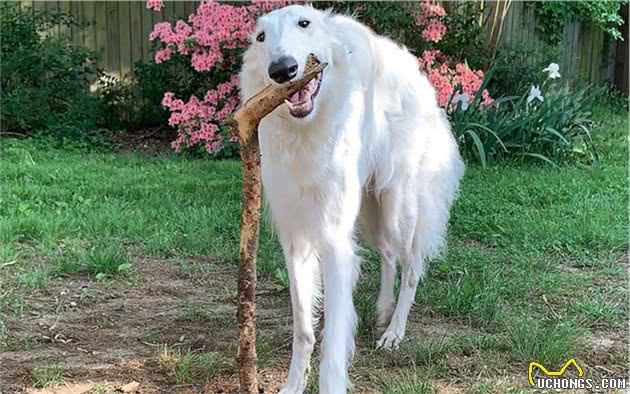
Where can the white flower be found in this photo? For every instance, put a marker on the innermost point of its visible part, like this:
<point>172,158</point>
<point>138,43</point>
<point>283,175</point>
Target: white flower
<point>554,70</point>
<point>535,93</point>
<point>460,98</point>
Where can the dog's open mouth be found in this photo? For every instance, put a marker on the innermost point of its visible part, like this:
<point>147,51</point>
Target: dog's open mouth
<point>302,102</point>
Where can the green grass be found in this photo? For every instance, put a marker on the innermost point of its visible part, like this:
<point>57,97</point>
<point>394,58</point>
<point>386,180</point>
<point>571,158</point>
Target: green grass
<point>534,262</point>
<point>47,376</point>
<point>407,382</point>
<point>546,342</point>
<point>195,313</point>
<point>187,367</point>
<point>429,352</point>
<point>34,279</point>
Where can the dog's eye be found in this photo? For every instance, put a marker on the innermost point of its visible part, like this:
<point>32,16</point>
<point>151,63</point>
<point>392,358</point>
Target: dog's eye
<point>260,37</point>
<point>304,23</point>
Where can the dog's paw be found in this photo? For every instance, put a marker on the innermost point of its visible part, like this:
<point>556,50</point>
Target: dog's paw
<point>293,388</point>
<point>389,341</point>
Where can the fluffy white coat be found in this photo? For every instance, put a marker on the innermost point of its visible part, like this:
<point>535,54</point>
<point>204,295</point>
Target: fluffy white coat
<point>375,161</point>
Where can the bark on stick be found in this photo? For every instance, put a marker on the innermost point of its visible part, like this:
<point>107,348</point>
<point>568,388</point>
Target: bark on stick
<point>246,120</point>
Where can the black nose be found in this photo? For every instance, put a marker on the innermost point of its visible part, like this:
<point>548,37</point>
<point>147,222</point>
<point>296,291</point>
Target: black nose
<point>283,69</point>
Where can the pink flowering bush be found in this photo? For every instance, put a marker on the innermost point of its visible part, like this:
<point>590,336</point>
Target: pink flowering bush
<point>448,81</point>
<point>214,37</point>
<point>429,16</point>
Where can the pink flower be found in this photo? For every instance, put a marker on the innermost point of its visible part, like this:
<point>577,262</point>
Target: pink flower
<point>162,55</point>
<point>486,99</point>
<point>434,31</point>
<point>155,5</point>
<point>447,80</point>
<point>168,99</point>
<point>429,17</point>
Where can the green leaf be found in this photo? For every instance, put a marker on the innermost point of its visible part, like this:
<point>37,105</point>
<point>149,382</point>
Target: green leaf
<point>480,148</point>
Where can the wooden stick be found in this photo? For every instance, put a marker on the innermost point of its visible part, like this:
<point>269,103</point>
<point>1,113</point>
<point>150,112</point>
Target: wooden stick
<point>246,120</point>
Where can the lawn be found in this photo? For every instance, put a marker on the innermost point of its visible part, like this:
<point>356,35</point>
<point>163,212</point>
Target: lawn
<point>117,268</point>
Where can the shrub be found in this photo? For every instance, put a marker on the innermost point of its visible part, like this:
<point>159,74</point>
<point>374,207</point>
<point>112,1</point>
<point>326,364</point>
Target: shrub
<point>134,100</point>
<point>213,39</point>
<point>465,41</point>
<point>552,15</point>
<point>518,66</point>
<point>548,122</point>
<point>45,80</point>
<point>119,103</point>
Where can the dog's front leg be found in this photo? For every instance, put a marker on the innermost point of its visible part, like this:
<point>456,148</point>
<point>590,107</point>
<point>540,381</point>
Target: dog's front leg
<point>302,268</point>
<point>339,272</point>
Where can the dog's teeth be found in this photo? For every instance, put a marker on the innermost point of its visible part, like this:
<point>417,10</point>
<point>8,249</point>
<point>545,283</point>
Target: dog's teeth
<point>288,103</point>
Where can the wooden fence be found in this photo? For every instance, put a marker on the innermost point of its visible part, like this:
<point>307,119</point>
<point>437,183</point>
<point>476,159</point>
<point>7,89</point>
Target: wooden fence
<point>586,54</point>
<point>121,30</point>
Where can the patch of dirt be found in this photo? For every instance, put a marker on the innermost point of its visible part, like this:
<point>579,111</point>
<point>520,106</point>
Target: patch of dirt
<point>112,332</point>
<point>150,141</point>
<point>606,352</point>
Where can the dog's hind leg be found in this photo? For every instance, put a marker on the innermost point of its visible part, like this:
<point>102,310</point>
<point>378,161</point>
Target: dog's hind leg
<point>427,230</point>
<point>405,229</point>
<point>386,298</point>
<point>302,266</point>
<point>410,275</point>
<point>371,226</point>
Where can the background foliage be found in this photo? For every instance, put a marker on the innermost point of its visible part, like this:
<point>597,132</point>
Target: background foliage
<point>517,66</point>
<point>552,15</point>
<point>45,80</point>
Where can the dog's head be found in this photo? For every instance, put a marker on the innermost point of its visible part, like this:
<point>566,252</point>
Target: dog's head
<point>280,47</point>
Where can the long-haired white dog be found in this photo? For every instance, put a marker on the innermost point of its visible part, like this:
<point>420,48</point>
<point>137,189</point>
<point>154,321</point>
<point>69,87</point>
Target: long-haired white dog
<point>364,152</point>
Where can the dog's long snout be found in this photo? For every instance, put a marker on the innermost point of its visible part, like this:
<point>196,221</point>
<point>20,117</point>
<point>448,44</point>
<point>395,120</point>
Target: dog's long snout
<point>283,69</point>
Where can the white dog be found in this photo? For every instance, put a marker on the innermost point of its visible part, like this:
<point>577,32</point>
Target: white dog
<point>363,151</point>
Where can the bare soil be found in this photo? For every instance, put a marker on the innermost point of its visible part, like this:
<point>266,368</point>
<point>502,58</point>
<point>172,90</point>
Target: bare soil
<point>111,333</point>
<point>148,141</point>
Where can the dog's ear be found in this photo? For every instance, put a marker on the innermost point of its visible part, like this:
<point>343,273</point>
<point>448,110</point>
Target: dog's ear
<point>340,51</point>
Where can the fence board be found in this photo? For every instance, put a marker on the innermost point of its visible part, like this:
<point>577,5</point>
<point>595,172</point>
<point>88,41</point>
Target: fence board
<point>575,57</point>
<point>113,37</point>
<point>89,32</point>
<point>75,31</point>
<point>136,31</point>
<point>65,31</point>
<point>124,21</point>
<point>100,14</point>
<point>147,27</point>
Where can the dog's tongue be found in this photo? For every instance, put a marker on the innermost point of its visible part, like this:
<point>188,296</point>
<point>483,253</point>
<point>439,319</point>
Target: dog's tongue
<point>298,97</point>
<point>302,96</point>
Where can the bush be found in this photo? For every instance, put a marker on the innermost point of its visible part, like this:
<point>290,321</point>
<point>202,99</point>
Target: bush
<point>552,15</point>
<point>554,126</point>
<point>134,101</point>
<point>518,66</point>
<point>465,41</point>
<point>45,80</point>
